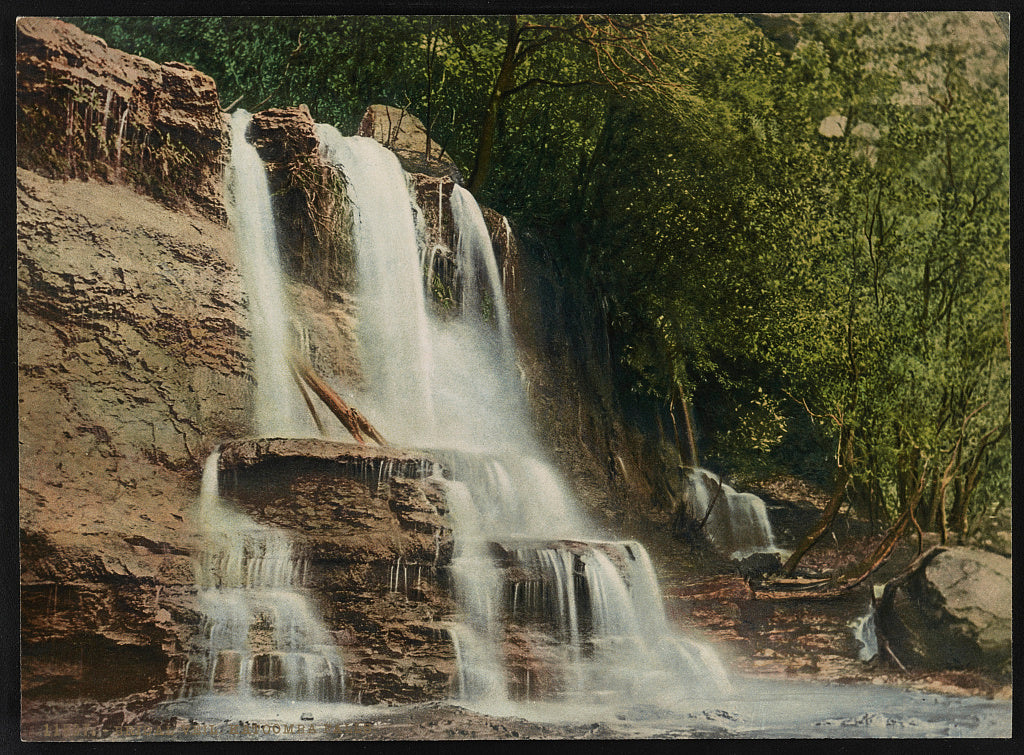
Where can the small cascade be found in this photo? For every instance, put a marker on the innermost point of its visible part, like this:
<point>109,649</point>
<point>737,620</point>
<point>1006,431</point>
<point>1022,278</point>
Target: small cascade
<point>475,259</point>
<point>864,632</point>
<point>263,635</point>
<point>278,406</point>
<point>864,627</point>
<point>738,523</point>
<point>476,584</point>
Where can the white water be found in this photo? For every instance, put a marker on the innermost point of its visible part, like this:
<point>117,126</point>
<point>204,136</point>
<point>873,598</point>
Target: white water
<point>864,632</point>
<point>278,405</point>
<point>396,350</point>
<point>473,249</point>
<point>452,384</point>
<point>738,523</point>
<point>263,635</point>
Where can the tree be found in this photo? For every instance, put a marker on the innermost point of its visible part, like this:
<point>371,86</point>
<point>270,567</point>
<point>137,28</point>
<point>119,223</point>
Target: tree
<point>618,48</point>
<point>917,267</point>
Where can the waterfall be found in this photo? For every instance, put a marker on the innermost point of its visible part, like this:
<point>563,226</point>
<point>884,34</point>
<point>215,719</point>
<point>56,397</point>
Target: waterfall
<point>278,407</point>
<point>262,634</point>
<point>738,523</point>
<point>397,352</point>
<point>474,249</point>
<point>528,566</point>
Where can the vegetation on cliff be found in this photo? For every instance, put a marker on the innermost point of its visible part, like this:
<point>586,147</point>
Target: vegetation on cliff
<point>808,240</point>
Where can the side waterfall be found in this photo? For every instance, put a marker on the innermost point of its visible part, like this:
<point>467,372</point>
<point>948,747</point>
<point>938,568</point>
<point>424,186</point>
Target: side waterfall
<point>738,522</point>
<point>263,635</point>
<point>278,405</point>
<point>528,566</point>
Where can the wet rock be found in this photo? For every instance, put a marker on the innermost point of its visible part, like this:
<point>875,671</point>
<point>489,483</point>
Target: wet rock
<point>370,529</point>
<point>309,200</point>
<point>759,565</point>
<point>434,195</point>
<point>87,110</point>
<point>952,612</point>
<point>349,458</point>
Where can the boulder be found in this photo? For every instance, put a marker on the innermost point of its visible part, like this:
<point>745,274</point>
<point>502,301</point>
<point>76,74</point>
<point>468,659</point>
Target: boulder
<point>758,565</point>
<point>405,135</point>
<point>952,611</point>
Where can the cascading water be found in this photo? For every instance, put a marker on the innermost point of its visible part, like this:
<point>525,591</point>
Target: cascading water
<point>738,522</point>
<point>393,326</point>
<point>473,249</point>
<point>452,383</point>
<point>263,637</point>
<point>864,628</point>
<point>864,633</point>
<point>278,406</point>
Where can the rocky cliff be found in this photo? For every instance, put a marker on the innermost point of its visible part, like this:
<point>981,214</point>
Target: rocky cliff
<point>91,112</point>
<point>132,359</point>
<point>134,365</point>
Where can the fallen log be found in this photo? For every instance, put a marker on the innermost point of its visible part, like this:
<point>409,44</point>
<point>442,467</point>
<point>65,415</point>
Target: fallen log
<point>796,588</point>
<point>309,401</point>
<point>354,422</point>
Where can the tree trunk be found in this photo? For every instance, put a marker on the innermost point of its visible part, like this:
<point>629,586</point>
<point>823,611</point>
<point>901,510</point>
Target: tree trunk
<point>485,143</point>
<point>839,583</point>
<point>833,587</point>
<point>859,572</point>
<point>691,439</point>
<point>822,526</point>
<point>834,504</point>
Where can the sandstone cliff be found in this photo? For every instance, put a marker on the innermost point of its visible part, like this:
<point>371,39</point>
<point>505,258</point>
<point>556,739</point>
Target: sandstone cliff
<point>88,111</point>
<point>134,364</point>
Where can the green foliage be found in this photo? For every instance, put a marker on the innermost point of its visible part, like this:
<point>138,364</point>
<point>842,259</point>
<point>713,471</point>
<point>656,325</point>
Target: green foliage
<point>848,286</point>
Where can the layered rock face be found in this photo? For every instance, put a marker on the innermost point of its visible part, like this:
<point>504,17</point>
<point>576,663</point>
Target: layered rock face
<point>369,525</point>
<point>85,110</point>
<point>953,611</point>
<point>132,357</point>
